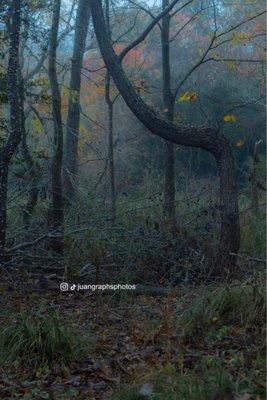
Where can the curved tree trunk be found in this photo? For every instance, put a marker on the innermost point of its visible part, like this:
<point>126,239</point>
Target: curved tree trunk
<point>56,169</point>
<point>206,138</point>
<point>73,119</point>
<point>12,142</point>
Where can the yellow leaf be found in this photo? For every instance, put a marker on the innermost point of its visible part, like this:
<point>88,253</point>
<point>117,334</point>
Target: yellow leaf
<point>214,55</point>
<point>214,319</point>
<point>240,143</point>
<point>241,37</point>
<point>184,97</point>
<point>229,118</point>
<point>187,97</point>
<point>193,96</point>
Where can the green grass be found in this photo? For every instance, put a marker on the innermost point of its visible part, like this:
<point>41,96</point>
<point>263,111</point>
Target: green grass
<point>223,328</point>
<point>215,309</point>
<point>208,378</point>
<point>38,338</point>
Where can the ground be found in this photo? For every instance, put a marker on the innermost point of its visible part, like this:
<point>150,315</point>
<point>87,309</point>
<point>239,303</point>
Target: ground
<point>123,342</point>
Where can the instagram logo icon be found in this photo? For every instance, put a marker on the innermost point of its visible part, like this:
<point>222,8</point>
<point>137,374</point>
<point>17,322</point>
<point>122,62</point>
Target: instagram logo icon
<point>64,287</point>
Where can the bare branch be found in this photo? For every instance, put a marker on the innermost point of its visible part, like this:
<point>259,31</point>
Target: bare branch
<point>149,28</point>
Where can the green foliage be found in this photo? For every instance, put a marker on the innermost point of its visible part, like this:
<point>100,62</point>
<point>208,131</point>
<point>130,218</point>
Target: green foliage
<point>217,309</point>
<point>38,338</point>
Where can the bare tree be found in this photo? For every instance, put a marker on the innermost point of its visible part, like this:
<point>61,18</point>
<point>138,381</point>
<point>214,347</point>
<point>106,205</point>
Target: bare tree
<point>207,138</point>
<point>168,108</point>
<point>254,178</point>
<point>13,140</point>
<point>57,212</point>
<point>31,164</point>
<point>110,104</point>
<point>73,119</point>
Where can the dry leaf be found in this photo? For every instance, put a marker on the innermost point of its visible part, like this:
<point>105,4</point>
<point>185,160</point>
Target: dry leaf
<point>229,118</point>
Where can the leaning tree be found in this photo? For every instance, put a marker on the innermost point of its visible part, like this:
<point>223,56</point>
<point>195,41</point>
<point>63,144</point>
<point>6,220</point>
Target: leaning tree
<point>206,138</point>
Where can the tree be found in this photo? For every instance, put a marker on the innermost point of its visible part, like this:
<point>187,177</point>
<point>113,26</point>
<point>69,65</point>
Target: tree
<point>57,212</point>
<point>110,103</point>
<point>73,119</point>
<point>168,109</point>
<point>32,165</point>
<point>254,178</point>
<point>207,138</point>
<point>12,141</point>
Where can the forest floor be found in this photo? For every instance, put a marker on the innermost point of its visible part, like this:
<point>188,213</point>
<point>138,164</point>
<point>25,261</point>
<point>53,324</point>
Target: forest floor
<point>194,343</point>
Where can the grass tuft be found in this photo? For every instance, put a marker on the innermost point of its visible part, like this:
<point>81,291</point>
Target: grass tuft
<point>241,305</point>
<point>36,339</point>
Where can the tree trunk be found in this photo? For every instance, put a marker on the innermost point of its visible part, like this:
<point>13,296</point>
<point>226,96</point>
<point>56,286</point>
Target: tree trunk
<point>73,119</point>
<point>3,207</point>
<point>206,138</point>
<point>230,228</point>
<point>33,192</point>
<point>111,172</point>
<point>169,184</point>
<point>168,107</point>
<point>14,138</point>
<point>254,179</point>
<point>57,213</point>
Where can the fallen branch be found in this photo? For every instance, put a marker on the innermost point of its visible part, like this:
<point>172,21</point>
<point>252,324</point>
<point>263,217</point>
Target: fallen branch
<point>51,235</point>
<point>259,260</point>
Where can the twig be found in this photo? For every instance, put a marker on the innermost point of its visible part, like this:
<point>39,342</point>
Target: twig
<point>259,260</point>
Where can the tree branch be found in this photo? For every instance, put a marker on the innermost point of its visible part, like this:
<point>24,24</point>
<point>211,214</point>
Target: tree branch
<point>149,28</point>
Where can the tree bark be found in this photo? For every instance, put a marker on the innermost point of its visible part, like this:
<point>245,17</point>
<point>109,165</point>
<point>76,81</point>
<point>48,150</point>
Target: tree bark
<point>33,191</point>
<point>57,212</point>
<point>14,138</point>
<point>168,107</point>
<point>254,179</point>
<point>32,167</point>
<point>207,138</point>
<point>111,172</point>
<point>73,119</point>
<point>230,228</point>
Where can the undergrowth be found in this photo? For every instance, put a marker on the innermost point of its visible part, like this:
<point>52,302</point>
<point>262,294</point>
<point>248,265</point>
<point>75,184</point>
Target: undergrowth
<point>222,328</point>
<point>239,304</point>
<point>37,338</point>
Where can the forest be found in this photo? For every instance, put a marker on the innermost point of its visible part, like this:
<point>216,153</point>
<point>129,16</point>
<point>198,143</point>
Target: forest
<point>132,199</point>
